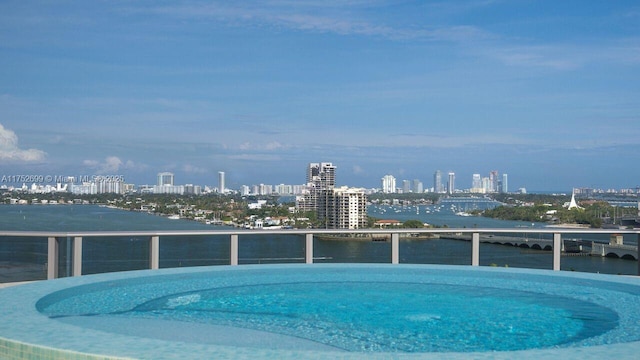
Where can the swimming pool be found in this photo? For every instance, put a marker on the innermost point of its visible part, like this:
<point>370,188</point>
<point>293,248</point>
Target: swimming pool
<point>327,310</point>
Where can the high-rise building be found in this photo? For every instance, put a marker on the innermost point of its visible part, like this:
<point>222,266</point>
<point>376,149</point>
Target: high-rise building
<point>437,182</point>
<point>343,208</point>
<point>493,179</point>
<point>388,184</point>
<point>406,186</point>
<point>221,185</point>
<point>451,184</point>
<point>190,189</point>
<point>417,186</point>
<point>505,183</point>
<point>476,183</point>
<point>486,185</point>
<point>336,208</point>
<point>165,178</point>
<point>320,176</point>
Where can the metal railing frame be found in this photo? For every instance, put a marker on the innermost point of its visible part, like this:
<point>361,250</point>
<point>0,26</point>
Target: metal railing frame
<point>234,235</point>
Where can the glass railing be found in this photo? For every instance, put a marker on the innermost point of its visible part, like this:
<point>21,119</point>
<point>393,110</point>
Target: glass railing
<point>26,256</point>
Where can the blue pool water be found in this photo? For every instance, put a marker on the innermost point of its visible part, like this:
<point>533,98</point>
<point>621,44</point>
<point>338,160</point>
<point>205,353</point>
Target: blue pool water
<point>354,310</point>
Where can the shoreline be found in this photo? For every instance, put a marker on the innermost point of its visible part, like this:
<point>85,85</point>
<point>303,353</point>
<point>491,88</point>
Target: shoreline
<point>569,226</point>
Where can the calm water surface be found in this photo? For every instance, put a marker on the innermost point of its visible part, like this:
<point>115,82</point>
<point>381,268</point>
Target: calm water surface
<point>25,258</point>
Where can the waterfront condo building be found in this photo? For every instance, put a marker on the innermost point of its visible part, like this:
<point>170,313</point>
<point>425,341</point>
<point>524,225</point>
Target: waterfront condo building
<point>343,208</point>
<point>336,208</point>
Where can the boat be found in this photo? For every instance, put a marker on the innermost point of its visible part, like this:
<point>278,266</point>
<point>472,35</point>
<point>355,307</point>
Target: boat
<point>174,217</point>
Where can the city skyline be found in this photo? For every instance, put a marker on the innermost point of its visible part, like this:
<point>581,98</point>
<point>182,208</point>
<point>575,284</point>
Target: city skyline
<point>319,176</point>
<point>546,92</point>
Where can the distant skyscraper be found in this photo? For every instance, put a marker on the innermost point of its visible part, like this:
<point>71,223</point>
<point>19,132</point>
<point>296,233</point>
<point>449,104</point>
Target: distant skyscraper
<point>493,179</point>
<point>451,184</point>
<point>166,185</point>
<point>417,186</point>
<point>388,184</point>
<point>165,178</point>
<point>406,186</point>
<point>505,183</point>
<point>476,183</point>
<point>221,182</point>
<point>486,185</point>
<point>437,182</point>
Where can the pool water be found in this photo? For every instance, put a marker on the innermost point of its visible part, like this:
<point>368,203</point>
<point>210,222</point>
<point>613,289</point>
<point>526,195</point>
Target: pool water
<point>363,308</point>
<point>391,317</point>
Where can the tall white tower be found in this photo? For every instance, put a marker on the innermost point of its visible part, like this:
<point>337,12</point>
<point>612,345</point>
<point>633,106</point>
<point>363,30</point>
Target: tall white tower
<point>505,183</point>
<point>388,184</point>
<point>221,188</point>
<point>476,182</point>
<point>437,182</point>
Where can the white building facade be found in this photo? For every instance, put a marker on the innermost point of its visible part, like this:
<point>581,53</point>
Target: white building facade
<point>388,184</point>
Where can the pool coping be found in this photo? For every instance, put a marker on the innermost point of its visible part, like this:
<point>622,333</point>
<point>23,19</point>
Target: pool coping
<point>26,333</point>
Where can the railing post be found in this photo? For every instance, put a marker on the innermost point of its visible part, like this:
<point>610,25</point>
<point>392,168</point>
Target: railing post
<point>309,248</point>
<point>475,249</point>
<point>395,248</point>
<point>77,256</point>
<point>557,247</point>
<point>234,250</point>
<point>53,248</point>
<point>154,253</point>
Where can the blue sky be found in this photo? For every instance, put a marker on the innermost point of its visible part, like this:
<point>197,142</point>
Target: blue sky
<point>546,91</point>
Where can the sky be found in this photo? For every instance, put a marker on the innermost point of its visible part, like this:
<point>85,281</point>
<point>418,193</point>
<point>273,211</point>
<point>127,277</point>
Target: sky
<point>545,91</point>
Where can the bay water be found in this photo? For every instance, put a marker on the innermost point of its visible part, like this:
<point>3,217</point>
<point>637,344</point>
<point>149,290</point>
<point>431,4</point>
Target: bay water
<point>24,258</point>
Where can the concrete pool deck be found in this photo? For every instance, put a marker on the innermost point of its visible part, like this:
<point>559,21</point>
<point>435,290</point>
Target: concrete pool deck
<point>26,333</point>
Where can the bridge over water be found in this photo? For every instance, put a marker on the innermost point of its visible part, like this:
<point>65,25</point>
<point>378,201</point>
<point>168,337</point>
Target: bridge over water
<point>567,245</point>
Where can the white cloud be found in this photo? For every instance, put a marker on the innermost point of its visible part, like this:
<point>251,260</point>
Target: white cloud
<point>188,168</point>
<point>91,163</point>
<point>555,57</point>
<point>318,17</point>
<point>271,146</point>
<point>255,157</point>
<point>357,169</point>
<point>111,165</point>
<point>274,145</point>
<point>9,150</point>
